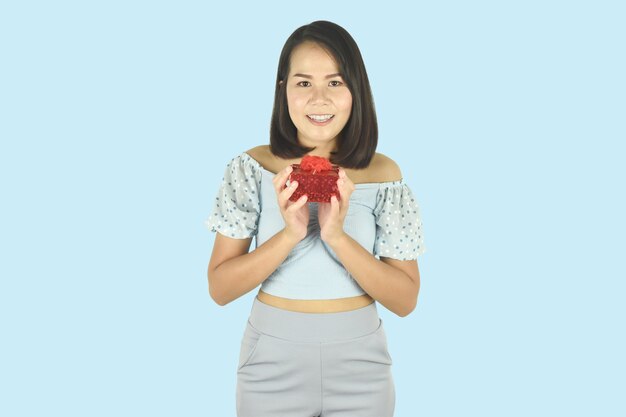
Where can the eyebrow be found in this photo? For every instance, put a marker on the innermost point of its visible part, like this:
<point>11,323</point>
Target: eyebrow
<point>309,76</point>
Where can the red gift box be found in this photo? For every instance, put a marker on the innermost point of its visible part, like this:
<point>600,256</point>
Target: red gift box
<point>316,178</point>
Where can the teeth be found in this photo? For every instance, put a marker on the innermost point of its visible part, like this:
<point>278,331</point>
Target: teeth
<point>320,118</point>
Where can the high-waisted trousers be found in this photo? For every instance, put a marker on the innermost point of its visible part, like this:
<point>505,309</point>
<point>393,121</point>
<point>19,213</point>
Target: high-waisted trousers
<point>294,364</point>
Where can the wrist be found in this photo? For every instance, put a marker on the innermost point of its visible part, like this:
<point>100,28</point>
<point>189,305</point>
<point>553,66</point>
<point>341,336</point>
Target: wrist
<point>290,237</point>
<point>336,240</point>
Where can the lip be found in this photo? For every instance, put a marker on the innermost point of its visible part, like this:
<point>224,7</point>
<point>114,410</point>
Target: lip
<point>316,123</point>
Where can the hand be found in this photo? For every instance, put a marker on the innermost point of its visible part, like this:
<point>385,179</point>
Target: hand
<point>332,215</point>
<point>295,214</point>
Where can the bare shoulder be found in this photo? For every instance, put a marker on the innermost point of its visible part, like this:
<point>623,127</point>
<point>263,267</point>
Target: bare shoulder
<point>262,155</point>
<point>383,169</point>
<point>259,153</point>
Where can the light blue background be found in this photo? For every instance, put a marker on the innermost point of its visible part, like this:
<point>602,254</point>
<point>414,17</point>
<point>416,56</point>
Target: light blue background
<point>118,118</point>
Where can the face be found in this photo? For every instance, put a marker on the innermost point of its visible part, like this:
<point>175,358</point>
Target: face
<point>318,99</point>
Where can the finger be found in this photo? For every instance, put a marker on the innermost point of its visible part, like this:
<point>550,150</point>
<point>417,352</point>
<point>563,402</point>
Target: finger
<point>342,189</point>
<point>285,194</point>
<point>344,185</point>
<point>298,204</point>
<point>280,178</point>
<point>345,188</point>
<point>334,203</point>
<point>346,179</point>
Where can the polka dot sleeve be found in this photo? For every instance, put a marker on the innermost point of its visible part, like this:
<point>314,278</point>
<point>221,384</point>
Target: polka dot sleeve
<point>236,208</point>
<point>398,223</point>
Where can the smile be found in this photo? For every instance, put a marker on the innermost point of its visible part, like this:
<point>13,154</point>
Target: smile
<point>320,119</point>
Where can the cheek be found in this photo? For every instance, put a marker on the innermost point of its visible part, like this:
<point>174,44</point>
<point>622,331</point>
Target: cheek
<point>295,101</point>
<point>346,103</point>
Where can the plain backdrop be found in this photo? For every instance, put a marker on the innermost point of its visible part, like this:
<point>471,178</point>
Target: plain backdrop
<point>117,120</point>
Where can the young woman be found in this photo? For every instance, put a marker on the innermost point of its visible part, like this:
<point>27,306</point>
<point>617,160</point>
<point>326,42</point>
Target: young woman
<point>314,344</point>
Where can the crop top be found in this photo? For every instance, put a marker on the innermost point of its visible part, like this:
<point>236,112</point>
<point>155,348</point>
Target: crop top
<point>382,217</point>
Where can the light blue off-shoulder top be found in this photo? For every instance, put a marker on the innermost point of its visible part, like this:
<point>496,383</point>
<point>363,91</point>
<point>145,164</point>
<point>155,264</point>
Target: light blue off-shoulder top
<point>382,217</point>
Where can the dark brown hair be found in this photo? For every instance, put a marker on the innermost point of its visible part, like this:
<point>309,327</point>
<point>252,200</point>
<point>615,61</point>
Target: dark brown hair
<point>359,137</point>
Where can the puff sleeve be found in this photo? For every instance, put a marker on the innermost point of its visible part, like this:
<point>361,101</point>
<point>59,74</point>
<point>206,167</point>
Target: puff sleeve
<point>398,223</point>
<point>236,208</point>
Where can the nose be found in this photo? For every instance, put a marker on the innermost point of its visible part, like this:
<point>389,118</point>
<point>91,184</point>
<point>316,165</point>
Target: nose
<point>319,95</point>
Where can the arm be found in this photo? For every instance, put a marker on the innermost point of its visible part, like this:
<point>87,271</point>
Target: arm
<point>393,283</point>
<point>234,272</point>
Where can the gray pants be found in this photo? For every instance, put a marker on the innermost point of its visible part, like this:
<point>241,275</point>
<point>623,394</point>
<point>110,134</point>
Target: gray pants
<point>314,364</point>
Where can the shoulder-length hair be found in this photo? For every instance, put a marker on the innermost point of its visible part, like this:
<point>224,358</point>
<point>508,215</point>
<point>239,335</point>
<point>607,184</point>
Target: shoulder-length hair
<point>359,137</point>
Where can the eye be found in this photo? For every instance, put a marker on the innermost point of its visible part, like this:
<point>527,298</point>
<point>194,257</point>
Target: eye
<point>302,82</point>
<point>336,83</point>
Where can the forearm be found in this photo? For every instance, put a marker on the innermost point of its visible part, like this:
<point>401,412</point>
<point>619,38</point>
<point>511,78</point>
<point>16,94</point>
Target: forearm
<point>237,276</point>
<point>388,285</point>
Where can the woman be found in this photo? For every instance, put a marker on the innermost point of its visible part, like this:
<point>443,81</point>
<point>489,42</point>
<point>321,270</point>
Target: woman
<point>314,344</point>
